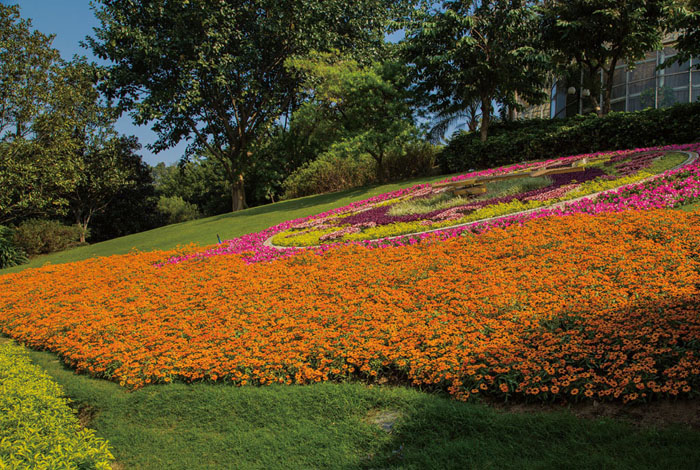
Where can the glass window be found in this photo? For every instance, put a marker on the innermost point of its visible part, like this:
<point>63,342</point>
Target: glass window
<point>677,80</point>
<point>643,71</point>
<point>641,86</point>
<point>680,95</point>
<point>666,96</point>
<point>617,92</point>
<point>620,76</point>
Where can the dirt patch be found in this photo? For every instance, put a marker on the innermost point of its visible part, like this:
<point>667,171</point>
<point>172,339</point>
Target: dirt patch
<point>385,419</point>
<point>656,414</point>
<point>85,413</point>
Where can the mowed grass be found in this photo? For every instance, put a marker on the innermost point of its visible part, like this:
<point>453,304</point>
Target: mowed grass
<point>204,231</point>
<point>336,426</point>
<point>205,426</point>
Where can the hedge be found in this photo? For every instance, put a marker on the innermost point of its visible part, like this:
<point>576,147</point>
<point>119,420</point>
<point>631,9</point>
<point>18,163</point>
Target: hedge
<point>538,139</point>
<point>37,428</point>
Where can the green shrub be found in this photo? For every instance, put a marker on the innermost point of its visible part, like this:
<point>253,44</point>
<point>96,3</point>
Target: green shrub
<point>37,236</point>
<point>37,428</point>
<point>414,159</point>
<point>10,254</point>
<point>174,209</point>
<point>539,139</point>
<point>341,167</point>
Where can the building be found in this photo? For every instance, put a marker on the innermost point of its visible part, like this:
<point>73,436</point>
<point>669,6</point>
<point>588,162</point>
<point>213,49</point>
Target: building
<point>632,90</point>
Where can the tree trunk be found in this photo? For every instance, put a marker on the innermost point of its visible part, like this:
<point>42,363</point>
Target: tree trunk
<point>381,176</point>
<point>607,89</point>
<point>485,118</point>
<point>237,194</point>
<point>82,222</point>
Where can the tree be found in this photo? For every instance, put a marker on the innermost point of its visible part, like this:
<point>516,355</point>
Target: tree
<point>596,35</point>
<point>461,51</point>
<point>197,181</point>
<point>685,18</point>
<point>213,72</point>
<point>365,104</point>
<point>104,173</point>
<point>32,175</point>
<point>134,206</point>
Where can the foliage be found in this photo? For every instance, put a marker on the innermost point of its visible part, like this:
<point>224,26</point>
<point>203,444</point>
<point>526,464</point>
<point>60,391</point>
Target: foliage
<point>215,72</point>
<point>34,171</point>
<point>85,122</point>
<point>413,158</point>
<point>685,18</point>
<point>37,236</point>
<point>538,139</point>
<point>462,52</point>
<point>343,166</point>
<point>364,105</point>
<point>423,314</point>
<point>596,35</point>
<point>37,427</point>
<point>174,209</point>
<point>10,255</point>
<point>133,207</point>
<point>199,181</point>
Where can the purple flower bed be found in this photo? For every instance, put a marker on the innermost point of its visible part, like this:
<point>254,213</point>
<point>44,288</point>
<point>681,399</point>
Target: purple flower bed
<point>669,189</point>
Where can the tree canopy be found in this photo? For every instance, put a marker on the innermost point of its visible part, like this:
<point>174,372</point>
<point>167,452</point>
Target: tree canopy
<point>213,73</point>
<point>462,51</point>
<point>597,35</point>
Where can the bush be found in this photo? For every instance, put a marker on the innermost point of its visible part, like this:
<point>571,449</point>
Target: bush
<point>345,166</point>
<point>415,159</point>
<point>341,167</point>
<point>538,139</point>
<point>37,236</point>
<point>174,209</point>
<point>37,428</point>
<point>10,254</point>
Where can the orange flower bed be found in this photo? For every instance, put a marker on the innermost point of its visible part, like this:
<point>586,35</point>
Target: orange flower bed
<point>569,308</point>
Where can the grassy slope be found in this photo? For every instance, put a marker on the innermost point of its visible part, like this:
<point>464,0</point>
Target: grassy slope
<point>330,426</point>
<point>204,231</point>
<point>327,426</point>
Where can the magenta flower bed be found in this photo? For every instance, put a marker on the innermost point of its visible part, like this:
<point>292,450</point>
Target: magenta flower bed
<point>669,189</point>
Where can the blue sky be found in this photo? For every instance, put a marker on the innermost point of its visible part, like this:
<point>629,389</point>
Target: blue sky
<point>71,21</point>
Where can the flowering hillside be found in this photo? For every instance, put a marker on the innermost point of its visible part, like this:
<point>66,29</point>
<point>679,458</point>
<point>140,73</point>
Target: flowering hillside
<point>562,307</point>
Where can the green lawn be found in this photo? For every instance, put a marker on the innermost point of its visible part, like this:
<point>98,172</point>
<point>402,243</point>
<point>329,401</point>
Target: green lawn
<point>204,231</point>
<point>203,426</point>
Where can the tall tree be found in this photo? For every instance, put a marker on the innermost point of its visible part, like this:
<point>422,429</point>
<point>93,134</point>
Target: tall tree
<point>597,35</point>
<point>686,19</point>
<point>461,51</point>
<point>212,72</point>
<point>32,176</point>
<point>365,104</point>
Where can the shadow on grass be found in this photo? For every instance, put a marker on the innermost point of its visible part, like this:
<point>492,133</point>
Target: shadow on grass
<point>334,426</point>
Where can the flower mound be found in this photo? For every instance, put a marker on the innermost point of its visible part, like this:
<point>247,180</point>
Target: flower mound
<point>561,308</point>
<point>633,188</point>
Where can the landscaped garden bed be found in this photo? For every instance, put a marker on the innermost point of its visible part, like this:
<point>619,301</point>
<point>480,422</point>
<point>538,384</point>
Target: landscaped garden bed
<point>611,182</point>
<point>38,429</point>
<point>561,308</point>
<point>597,305</point>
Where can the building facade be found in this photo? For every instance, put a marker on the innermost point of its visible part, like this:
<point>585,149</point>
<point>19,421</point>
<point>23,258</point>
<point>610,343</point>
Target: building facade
<point>634,89</point>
